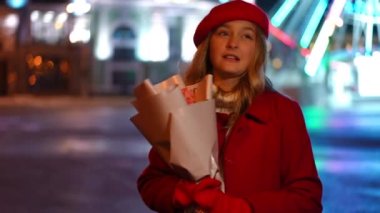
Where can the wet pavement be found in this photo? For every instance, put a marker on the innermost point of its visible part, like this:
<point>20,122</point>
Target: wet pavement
<point>82,155</point>
<point>69,155</point>
<point>346,144</point>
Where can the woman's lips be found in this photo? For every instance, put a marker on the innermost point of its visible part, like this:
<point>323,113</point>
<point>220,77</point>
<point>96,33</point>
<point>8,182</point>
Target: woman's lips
<point>231,57</point>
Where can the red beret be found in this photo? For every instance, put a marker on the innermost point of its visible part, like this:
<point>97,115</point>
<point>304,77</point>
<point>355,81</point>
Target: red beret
<point>232,10</point>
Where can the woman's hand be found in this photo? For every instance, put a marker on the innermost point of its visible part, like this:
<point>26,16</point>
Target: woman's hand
<point>185,190</point>
<point>215,201</point>
<point>207,195</point>
<point>183,193</point>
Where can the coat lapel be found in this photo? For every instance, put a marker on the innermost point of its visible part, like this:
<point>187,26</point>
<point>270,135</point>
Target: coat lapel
<point>261,108</point>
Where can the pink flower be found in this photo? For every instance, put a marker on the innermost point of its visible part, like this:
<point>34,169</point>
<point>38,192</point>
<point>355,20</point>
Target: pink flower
<point>189,95</point>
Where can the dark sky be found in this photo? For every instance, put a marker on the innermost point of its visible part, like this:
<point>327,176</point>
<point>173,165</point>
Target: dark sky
<point>266,4</point>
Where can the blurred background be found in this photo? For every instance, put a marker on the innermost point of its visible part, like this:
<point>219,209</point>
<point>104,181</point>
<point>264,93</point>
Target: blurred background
<point>68,69</point>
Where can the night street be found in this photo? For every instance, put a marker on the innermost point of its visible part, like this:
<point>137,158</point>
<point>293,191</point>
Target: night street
<point>83,155</point>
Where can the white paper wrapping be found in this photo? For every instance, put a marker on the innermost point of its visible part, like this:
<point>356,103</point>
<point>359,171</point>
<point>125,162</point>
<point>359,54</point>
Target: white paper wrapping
<point>183,133</point>
<point>192,142</point>
<point>153,119</point>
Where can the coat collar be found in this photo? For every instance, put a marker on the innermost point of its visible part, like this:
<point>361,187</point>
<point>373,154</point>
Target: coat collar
<point>261,108</point>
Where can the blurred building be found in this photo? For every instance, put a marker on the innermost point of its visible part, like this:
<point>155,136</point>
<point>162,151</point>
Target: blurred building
<point>134,40</point>
<point>37,52</point>
<point>98,46</point>
<point>94,46</point>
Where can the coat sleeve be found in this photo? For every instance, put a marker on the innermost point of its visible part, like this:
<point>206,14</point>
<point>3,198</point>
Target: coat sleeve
<point>301,187</point>
<point>157,183</point>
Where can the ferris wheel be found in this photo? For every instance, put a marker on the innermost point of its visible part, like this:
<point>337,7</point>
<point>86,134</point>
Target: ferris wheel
<point>348,29</point>
<point>312,25</point>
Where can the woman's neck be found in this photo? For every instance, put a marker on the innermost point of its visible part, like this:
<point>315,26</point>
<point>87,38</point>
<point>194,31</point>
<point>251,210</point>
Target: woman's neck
<point>226,84</point>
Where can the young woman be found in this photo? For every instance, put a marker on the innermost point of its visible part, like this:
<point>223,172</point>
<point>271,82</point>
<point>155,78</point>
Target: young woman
<point>266,157</point>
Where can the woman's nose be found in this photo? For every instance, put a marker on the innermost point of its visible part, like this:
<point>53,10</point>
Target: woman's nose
<point>232,42</point>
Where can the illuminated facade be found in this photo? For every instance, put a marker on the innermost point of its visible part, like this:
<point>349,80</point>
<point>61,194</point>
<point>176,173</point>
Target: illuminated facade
<point>94,46</point>
<point>40,53</point>
<point>142,39</point>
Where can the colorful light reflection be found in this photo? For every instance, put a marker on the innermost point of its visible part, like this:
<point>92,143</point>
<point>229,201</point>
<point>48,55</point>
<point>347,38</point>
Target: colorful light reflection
<point>315,117</point>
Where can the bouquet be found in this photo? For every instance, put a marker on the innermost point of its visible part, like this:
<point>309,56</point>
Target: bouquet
<point>179,121</point>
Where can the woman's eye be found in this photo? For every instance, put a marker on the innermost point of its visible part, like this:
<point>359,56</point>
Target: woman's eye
<point>222,33</point>
<point>248,36</point>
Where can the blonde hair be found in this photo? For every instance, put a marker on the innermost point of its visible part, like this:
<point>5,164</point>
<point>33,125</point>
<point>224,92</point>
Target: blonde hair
<point>250,85</point>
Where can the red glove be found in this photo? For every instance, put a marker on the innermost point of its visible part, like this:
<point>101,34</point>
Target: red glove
<point>185,190</point>
<point>216,201</point>
<point>183,193</point>
<point>207,183</point>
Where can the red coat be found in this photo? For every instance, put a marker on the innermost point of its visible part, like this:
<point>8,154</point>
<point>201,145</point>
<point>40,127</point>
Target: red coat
<point>267,159</point>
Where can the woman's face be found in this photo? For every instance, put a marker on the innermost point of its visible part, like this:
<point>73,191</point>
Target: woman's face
<point>232,46</point>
